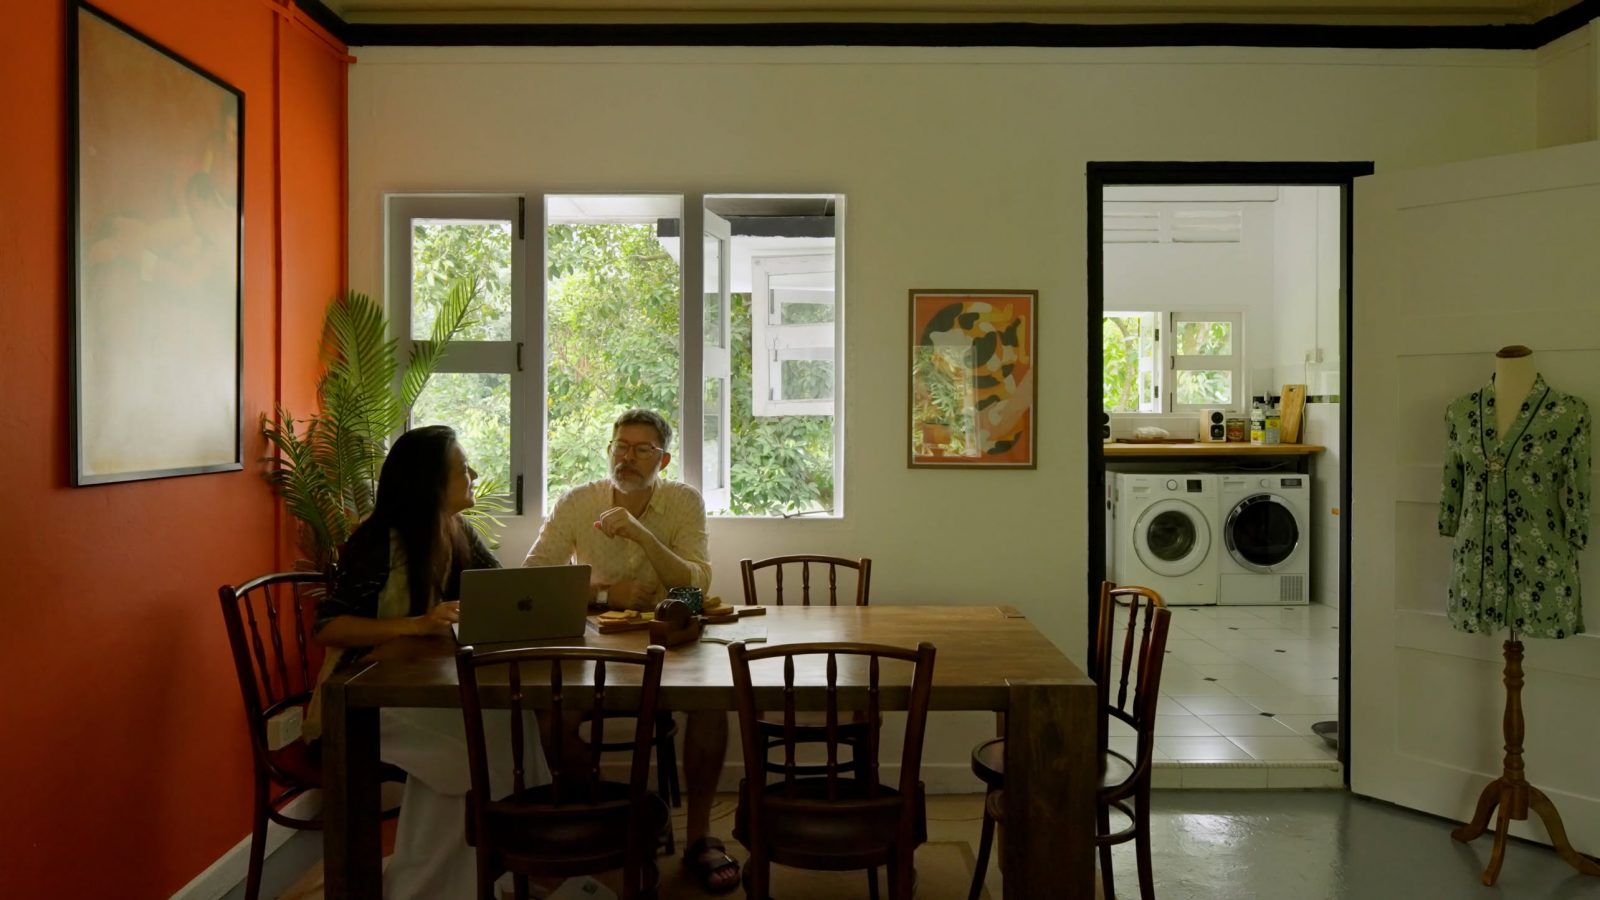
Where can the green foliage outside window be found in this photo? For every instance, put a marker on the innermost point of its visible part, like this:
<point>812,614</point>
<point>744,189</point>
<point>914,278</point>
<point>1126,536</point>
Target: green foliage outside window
<point>1125,344</point>
<point>613,332</point>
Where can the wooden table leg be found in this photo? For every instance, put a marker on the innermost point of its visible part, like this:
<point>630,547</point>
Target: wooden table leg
<point>1051,775</point>
<point>352,839</point>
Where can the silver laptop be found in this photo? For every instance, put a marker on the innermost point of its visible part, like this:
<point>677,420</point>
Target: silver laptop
<point>520,604</point>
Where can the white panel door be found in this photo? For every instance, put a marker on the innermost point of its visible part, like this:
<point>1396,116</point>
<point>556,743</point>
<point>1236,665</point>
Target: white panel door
<point>1451,263</point>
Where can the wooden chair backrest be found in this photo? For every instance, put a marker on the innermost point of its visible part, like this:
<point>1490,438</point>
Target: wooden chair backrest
<point>862,567</point>
<point>269,622</point>
<point>573,785</point>
<point>755,755</point>
<point>1133,627</point>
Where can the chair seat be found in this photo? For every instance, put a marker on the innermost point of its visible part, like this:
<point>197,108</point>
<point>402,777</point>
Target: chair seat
<point>803,827</point>
<point>989,764</point>
<point>585,830</point>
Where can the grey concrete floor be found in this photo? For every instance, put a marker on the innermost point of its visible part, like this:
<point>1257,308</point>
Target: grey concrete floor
<point>1247,845</point>
<point>1328,845</point>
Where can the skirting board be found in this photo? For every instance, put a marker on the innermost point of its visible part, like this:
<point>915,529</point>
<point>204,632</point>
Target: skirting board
<point>230,868</point>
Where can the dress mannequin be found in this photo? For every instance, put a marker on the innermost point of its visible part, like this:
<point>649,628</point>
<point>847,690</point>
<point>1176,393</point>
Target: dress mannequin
<point>1527,561</point>
<point>1514,372</point>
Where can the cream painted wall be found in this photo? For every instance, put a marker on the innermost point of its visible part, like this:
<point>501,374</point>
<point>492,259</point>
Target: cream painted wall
<point>962,168</point>
<point>1569,88</point>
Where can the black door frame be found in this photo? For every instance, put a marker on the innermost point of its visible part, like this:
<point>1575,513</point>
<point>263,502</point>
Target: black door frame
<point>1335,174</point>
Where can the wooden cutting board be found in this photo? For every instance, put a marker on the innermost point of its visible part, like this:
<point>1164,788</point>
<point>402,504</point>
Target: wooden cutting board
<point>1291,413</point>
<point>642,623</point>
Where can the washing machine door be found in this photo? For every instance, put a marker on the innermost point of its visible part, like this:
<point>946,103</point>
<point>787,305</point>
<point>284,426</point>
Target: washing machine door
<point>1261,533</point>
<point>1171,538</point>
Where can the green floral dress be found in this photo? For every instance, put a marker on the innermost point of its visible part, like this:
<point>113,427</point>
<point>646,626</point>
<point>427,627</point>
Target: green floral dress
<point>1518,509</point>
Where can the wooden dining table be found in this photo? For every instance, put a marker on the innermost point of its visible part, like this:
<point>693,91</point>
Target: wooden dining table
<point>989,658</point>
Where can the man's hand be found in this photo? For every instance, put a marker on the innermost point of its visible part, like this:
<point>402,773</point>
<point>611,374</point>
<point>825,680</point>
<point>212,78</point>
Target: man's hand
<point>437,621</point>
<point>632,595</point>
<point>619,523</point>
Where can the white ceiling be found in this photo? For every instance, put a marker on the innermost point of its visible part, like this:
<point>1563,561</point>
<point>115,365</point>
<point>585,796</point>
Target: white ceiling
<point>1329,12</point>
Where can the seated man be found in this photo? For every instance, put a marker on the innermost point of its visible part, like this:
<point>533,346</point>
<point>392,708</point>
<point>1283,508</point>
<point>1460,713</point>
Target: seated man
<point>641,535</point>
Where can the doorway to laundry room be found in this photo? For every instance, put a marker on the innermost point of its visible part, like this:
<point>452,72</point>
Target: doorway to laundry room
<point>1218,337</point>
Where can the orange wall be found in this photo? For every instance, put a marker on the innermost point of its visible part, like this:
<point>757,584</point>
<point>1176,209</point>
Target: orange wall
<point>123,762</point>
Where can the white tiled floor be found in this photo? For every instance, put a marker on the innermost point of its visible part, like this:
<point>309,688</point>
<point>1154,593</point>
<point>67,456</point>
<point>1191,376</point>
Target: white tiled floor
<point>1243,684</point>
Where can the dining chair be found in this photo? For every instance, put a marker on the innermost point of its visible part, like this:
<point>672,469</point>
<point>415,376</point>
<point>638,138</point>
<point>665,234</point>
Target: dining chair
<point>862,568</point>
<point>579,823</point>
<point>269,625</point>
<point>808,728</point>
<point>1134,663</point>
<point>668,787</point>
<point>842,819</point>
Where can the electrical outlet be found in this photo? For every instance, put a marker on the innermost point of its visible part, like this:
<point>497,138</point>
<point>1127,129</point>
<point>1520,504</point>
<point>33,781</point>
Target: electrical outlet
<point>284,728</point>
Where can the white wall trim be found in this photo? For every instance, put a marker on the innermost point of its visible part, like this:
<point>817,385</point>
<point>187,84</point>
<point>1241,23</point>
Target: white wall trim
<point>230,868</point>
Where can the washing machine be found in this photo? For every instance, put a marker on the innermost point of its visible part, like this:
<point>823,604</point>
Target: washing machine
<point>1266,540</point>
<point>1166,535</point>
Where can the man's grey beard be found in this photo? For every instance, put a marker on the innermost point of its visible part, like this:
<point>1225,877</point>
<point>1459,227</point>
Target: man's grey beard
<point>645,484</point>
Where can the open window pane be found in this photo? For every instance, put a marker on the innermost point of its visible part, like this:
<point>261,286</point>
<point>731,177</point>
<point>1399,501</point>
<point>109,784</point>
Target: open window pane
<point>711,468</point>
<point>478,406</point>
<point>1205,387</point>
<point>1196,338</point>
<point>443,250</point>
<point>613,317</point>
<point>807,379</point>
<point>1128,362</point>
<point>779,465</point>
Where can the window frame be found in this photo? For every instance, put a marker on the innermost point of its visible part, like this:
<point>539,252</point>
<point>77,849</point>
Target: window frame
<point>523,356</point>
<point>1166,364</point>
<point>508,357</point>
<point>1175,363</point>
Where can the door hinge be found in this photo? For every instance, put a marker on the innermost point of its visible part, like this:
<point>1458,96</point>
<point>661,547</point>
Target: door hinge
<point>522,217</point>
<point>517,501</point>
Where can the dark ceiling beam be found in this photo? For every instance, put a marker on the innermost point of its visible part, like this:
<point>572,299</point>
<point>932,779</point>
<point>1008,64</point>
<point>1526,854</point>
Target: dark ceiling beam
<point>330,21</point>
<point>986,34</point>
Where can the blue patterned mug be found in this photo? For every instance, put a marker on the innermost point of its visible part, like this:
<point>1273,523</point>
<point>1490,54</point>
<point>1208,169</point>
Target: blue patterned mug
<point>690,595</point>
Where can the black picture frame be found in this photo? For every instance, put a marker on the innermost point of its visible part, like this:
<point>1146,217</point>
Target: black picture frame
<point>155,187</point>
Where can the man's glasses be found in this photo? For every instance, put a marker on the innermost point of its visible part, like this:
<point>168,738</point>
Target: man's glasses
<point>619,449</point>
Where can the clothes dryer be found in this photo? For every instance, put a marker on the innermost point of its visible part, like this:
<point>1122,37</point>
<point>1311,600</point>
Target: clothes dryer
<point>1266,540</point>
<point>1165,537</point>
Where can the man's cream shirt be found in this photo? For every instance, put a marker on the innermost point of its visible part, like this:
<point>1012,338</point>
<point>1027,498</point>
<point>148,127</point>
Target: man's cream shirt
<point>675,515</point>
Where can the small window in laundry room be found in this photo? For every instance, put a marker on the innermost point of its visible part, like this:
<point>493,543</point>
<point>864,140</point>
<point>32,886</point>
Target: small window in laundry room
<point>1205,362</point>
<point>1131,347</point>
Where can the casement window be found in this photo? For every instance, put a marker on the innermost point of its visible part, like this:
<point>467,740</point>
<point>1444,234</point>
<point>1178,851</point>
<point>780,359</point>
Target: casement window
<point>1172,361</point>
<point>747,365</point>
<point>483,380</point>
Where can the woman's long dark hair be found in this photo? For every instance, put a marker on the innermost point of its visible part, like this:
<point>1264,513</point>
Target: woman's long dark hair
<point>410,496</point>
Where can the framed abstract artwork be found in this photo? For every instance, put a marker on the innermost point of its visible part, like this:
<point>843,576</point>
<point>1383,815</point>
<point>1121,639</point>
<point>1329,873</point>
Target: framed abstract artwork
<point>155,188</point>
<point>974,362</point>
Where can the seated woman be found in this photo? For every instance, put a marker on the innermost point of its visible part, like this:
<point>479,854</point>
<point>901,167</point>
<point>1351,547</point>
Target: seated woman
<point>396,597</point>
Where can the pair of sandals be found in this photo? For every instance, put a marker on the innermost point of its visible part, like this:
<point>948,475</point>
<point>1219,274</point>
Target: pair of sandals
<point>707,860</point>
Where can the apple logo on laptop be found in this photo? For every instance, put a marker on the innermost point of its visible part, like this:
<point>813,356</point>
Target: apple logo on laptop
<point>525,604</point>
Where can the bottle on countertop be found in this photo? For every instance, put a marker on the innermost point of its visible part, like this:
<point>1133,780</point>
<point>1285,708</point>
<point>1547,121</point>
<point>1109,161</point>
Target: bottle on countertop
<point>1270,431</point>
<point>1258,419</point>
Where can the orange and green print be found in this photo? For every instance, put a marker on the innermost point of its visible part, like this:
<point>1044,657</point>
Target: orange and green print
<point>972,378</point>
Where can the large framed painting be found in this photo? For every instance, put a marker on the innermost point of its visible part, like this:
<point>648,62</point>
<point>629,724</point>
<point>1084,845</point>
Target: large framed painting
<point>156,195</point>
<point>974,364</point>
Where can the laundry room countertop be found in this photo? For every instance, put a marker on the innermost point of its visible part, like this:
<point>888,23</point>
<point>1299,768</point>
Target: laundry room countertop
<point>1198,449</point>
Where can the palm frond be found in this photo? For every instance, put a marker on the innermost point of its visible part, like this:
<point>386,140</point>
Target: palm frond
<point>489,497</point>
<point>454,315</point>
<point>326,467</point>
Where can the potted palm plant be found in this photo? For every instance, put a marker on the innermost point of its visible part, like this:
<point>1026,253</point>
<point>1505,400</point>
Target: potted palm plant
<point>326,467</point>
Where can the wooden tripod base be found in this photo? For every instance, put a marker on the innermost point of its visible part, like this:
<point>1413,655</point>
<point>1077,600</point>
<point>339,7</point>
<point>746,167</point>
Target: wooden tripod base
<point>1514,801</point>
<point>1512,794</point>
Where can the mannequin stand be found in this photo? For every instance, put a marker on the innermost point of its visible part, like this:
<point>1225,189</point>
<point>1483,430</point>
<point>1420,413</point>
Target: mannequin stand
<point>1512,793</point>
